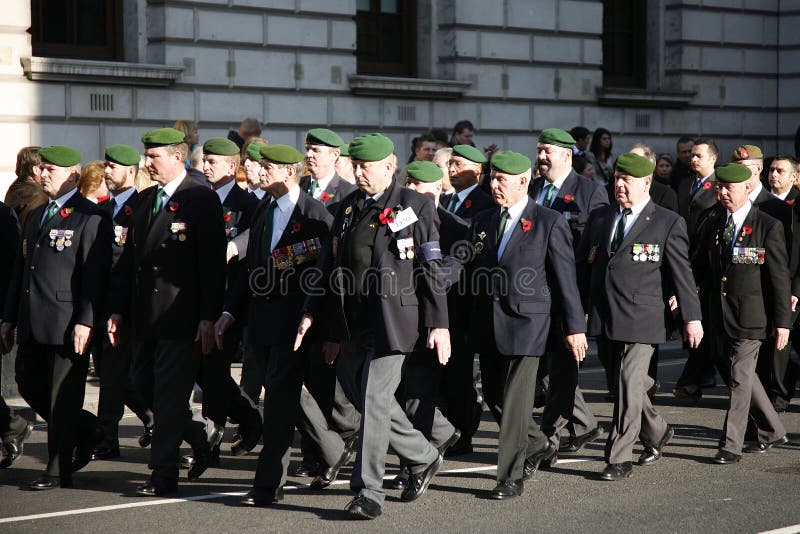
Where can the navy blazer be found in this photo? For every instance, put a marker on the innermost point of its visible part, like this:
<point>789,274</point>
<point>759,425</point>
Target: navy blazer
<point>512,303</point>
<point>336,190</point>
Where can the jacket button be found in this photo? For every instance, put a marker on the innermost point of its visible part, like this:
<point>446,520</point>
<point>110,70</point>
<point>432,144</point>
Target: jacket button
<point>386,296</point>
<point>155,268</point>
<point>37,245</point>
<point>33,267</point>
<point>253,295</point>
<point>163,245</point>
<point>724,294</point>
<point>392,273</point>
<point>27,291</point>
<point>497,299</point>
<point>724,278</point>
<point>155,290</point>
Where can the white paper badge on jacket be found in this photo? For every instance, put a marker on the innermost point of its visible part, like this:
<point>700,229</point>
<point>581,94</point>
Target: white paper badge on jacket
<point>403,219</point>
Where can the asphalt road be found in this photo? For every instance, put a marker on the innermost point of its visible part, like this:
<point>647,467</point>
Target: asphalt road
<point>683,492</point>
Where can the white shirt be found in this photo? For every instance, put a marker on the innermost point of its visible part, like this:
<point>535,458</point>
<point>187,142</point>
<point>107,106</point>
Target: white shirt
<point>755,192</point>
<point>460,196</point>
<point>738,220</point>
<point>515,213</point>
<point>258,192</point>
<point>171,187</point>
<point>120,199</point>
<point>223,191</point>
<point>636,210</point>
<point>322,184</point>
<point>557,187</point>
<point>283,213</point>
<point>60,201</point>
<point>783,195</point>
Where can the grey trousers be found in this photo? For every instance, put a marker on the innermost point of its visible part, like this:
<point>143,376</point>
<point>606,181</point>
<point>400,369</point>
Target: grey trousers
<point>565,406</point>
<point>634,414</point>
<point>383,421</point>
<point>737,365</point>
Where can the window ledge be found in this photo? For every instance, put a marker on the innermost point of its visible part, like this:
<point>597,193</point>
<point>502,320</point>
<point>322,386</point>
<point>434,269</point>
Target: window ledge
<point>106,72</point>
<point>407,87</point>
<point>619,96</point>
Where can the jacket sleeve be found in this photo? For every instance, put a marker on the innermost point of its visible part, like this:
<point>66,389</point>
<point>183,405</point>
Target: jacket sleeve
<point>562,262</point>
<point>95,257</point>
<point>676,258</point>
<point>778,273</point>
<point>430,291</point>
<point>211,258</point>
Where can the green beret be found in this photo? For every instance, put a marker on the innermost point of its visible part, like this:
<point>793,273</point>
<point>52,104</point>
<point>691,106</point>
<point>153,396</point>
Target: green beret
<point>281,154</point>
<point>732,173</point>
<point>635,165</point>
<point>424,171</point>
<point>371,147</point>
<point>323,136</point>
<point>557,137</point>
<point>344,150</point>
<point>123,154</point>
<point>254,150</point>
<point>60,155</point>
<point>163,137</point>
<point>511,162</point>
<point>469,152</point>
<point>220,146</point>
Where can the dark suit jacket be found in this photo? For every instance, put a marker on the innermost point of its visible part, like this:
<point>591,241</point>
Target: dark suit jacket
<point>23,196</point>
<point>663,195</point>
<point>237,211</point>
<point>745,300</point>
<point>336,190</point>
<point>9,246</point>
<point>452,229</point>
<point>51,290</point>
<point>692,207</point>
<point>627,299</point>
<point>172,271</point>
<point>784,211</point>
<point>402,301</point>
<point>120,223</point>
<point>576,199</point>
<point>271,298</point>
<point>512,305</point>
<point>476,202</point>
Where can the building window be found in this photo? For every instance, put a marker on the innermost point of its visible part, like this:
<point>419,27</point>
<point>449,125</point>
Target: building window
<point>81,29</point>
<point>385,37</point>
<point>624,43</point>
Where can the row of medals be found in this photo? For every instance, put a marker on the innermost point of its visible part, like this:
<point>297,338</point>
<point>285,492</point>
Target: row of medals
<point>646,252</point>
<point>61,238</point>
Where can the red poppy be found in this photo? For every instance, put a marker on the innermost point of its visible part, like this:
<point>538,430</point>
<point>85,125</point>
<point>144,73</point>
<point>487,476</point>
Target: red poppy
<point>295,227</point>
<point>743,154</point>
<point>173,206</point>
<point>747,230</point>
<point>707,185</point>
<point>325,197</point>
<point>227,217</point>
<point>568,198</point>
<point>790,202</point>
<point>128,210</point>
<point>467,204</point>
<point>386,216</point>
<point>65,212</point>
<point>526,225</point>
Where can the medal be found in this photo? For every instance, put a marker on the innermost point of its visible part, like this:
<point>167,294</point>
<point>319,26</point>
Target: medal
<point>592,255</point>
<point>478,247</point>
<point>637,252</point>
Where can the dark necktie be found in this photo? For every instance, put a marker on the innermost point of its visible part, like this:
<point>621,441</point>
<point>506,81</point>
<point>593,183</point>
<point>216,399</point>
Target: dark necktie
<point>727,237</point>
<point>548,195</point>
<point>313,188</point>
<point>698,183</point>
<point>269,218</point>
<point>51,210</point>
<point>453,203</point>
<point>501,228</point>
<point>158,204</point>
<point>112,205</point>
<point>369,201</point>
<point>619,233</point>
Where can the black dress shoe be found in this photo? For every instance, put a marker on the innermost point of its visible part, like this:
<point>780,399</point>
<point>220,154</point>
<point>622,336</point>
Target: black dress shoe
<point>151,489</point>
<point>725,457</point>
<point>105,452</point>
<point>576,443</point>
<point>14,447</point>
<point>201,459</point>
<point>545,458</point>
<point>186,461</point>
<point>653,453</point>
<point>452,440</point>
<point>681,392</point>
<point>508,489</point>
<point>418,483</point>
<point>262,497</point>
<point>401,480</point>
<point>247,440</point>
<point>85,447</point>
<point>459,448</point>
<point>308,468</point>
<point>327,477</point>
<point>147,437</point>
<point>614,472</point>
<point>46,482</point>
<point>764,446</point>
<point>363,508</point>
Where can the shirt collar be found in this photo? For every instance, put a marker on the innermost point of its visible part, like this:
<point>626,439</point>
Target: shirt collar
<point>755,192</point>
<point>741,214</point>
<point>258,192</point>
<point>464,193</point>
<point>225,190</point>
<point>516,210</point>
<point>450,191</point>
<point>636,209</point>
<point>376,196</point>
<point>171,187</point>
<point>560,181</point>
<point>323,182</point>
<point>783,195</point>
<point>289,199</point>
<point>60,201</point>
<point>123,197</point>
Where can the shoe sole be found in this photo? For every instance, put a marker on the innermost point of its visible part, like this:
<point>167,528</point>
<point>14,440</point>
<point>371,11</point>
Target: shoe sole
<point>356,514</point>
<point>615,479</point>
<point>505,497</point>
<point>572,449</point>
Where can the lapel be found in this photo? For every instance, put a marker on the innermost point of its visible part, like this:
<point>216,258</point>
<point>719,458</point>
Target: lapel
<point>491,228</point>
<point>536,188</point>
<point>255,242</point>
<point>604,223</point>
<point>295,217</point>
<point>333,186</point>
<point>529,213</point>
<point>704,191</point>
<point>567,188</point>
<point>122,217</point>
<point>57,219</point>
<point>159,227</point>
<point>384,234</point>
<point>642,222</point>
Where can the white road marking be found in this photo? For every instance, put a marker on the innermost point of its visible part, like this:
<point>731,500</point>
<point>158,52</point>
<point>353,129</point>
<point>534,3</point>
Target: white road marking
<point>792,529</point>
<point>210,496</point>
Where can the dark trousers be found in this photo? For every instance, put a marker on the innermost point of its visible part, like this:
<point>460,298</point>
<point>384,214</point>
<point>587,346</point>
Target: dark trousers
<point>252,379</point>
<point>52,380</point>
<point>736,361</point>
<point>420,394</point>
<point>606,355</point>
<point>222,397</point>
<point>11,424</point>
<point>282,381</point>
<point>509,391</point>
<point>565,406</point>
<point>461,400</point>
<point>699,365</point>
<point>164,373</point>
<point>772,367</point>
<point>634,415</point>
<point>114,366</point>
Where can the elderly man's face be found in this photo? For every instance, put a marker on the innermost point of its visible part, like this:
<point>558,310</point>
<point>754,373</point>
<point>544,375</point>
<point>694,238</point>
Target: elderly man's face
<point>57,180</point>
<point>552,160</point>
<point>733,196</point>
<point>508,189</point>
<point>629,190</point>
<point>372,177</point>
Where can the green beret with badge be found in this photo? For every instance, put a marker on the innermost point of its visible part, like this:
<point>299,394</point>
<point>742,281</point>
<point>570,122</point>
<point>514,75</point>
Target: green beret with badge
<point>221,147</point>
<point>283,154</point>
<point>60,155</point>
<point>163,137</point>
<point>732,173</point>
<point>123,154</point>
<point>469,152</point>
<point>254,150</point>
<point>371,147</point>
<point>323,136</point>
<point>635,165</point>
<point>424,171</point>
<point>557,137</point>
<point>344,150</point>
<point>511,162</point>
